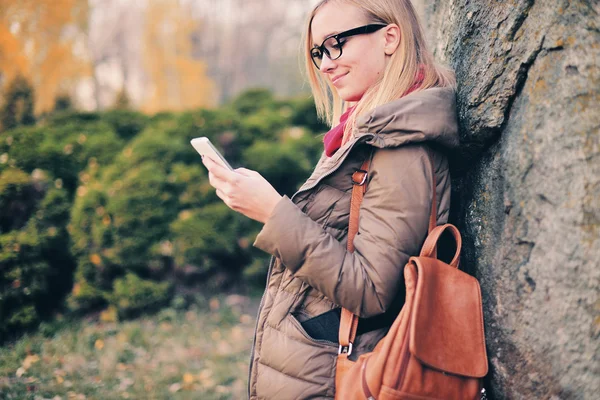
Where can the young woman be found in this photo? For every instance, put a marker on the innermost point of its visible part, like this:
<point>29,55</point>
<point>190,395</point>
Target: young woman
<point>390,104</point>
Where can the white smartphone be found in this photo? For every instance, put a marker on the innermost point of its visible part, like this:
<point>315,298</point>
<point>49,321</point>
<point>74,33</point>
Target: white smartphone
<point>205,148</point>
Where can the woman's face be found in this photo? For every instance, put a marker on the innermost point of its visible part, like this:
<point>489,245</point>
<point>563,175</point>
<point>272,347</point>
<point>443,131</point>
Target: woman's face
<point>363,57</point>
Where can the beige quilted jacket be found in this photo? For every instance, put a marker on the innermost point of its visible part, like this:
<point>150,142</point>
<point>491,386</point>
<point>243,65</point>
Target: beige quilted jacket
<point>311,271</point>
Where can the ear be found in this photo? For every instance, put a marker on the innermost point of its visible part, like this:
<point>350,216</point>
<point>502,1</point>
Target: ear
<point>391,36</point>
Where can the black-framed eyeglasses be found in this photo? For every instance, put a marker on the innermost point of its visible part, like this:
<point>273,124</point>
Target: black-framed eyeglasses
<point>332,45</point>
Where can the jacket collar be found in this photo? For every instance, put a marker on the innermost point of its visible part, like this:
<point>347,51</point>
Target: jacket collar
<point>425,116</point>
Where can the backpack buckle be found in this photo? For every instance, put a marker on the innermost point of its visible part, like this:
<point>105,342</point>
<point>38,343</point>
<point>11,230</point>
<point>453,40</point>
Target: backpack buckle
<point>345,349</point>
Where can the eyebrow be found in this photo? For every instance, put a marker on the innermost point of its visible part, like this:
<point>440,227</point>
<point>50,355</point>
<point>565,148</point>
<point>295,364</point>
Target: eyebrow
<point>326,36</point>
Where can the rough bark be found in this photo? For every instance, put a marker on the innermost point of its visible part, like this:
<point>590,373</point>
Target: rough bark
<point>527,188</point>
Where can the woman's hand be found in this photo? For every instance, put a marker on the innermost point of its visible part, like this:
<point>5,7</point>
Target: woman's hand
<point>243,190</point>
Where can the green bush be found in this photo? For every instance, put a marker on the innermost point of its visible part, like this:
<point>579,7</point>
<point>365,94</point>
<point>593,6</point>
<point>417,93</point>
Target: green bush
<point>284,165</point>
<point>62,151</point>
<point>211,243</point>
<point>18,104</point>
<point>253,100</point>
<point>115,224</point>
<point>133,295</point>
<point>18,198</point>
<point>116,207</point>
<point>36,268</point>
<point>304,114</point>
<point>126,123</point>
<point>69,116</point>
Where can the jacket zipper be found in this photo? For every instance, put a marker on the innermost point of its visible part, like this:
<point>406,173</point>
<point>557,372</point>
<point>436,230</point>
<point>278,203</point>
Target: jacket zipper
<point>337,166</point>
<point>260,305</point>
<point>272,262</point>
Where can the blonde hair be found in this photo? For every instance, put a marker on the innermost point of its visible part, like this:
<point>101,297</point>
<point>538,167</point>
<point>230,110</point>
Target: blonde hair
<point>400,73</point>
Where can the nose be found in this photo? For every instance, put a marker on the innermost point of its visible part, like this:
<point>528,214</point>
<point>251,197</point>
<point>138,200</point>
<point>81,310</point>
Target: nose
<point>326,64</point>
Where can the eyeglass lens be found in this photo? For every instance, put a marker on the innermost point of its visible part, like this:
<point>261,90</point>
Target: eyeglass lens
<point>332,48</point>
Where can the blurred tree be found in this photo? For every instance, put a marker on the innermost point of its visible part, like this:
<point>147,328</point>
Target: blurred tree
<point>122,101</point>
<point>62,102</point>
<point>18,105</point>
<point>257,45</point>
<point>178,78</point>
<point>113,43</point>
<point>38,39</point>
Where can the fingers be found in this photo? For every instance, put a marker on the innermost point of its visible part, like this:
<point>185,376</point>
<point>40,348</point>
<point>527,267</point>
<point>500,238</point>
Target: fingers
<point>247,172</point>
<point>218,170</point>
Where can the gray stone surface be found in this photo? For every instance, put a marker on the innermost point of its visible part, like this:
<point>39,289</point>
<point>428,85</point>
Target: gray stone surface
<point>527,184</point>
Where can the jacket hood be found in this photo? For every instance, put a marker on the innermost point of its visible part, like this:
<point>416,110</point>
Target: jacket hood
<point>427,115</point>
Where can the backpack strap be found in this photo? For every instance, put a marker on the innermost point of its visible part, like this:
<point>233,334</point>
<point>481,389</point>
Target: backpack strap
<point>349,321</point>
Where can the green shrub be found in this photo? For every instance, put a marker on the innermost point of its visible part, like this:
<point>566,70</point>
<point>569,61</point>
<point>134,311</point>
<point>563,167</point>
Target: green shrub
<point>211,243</point>
<point>116,224</point>
<point>126,123</point>
<point>85,297</point>
<point>62,103</point>
<point>133,295</point>
<point>62,151</point>
<point>253,100</point>
<point>18,198</point>
<point>125,198</point>
<point>304,114</point>
<point>36,267</point>
<point>265,124</point>
<point>18,104</point>
<point>69,116</point>
<point>195,189</point>
<point>284,165</point>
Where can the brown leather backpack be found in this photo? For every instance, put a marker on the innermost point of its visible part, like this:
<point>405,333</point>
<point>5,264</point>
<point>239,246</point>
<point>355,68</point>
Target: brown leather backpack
<point>436,347</point>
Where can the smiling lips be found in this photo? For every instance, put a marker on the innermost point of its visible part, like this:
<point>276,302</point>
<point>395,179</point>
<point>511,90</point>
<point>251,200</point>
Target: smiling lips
<point>337,78</point>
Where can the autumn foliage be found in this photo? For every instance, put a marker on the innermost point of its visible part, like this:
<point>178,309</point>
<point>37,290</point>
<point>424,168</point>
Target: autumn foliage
<point>38,40</point>
<point>48,42</point>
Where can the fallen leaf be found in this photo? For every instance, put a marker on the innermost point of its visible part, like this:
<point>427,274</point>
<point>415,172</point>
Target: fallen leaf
<point>30,360</point>
<point>165,326</point>
<point>20,372</point>
<point>224,348</point>
<point>99,345</point>
<point>237,333</point>
<point>59,379</point>
<point>176,387</point>
<point>205,374</point>
<point>214,304</point>
<point>109,315</point>
<point>95,259</point>
<point>188,378</point>
<point>222,389</point>
<point>246,319</point>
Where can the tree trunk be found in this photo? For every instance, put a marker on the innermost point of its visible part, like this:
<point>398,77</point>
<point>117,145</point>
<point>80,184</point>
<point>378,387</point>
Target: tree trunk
<point>526,185</point>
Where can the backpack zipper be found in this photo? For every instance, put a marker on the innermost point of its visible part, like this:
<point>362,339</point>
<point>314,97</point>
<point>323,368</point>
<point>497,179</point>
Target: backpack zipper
<point>405,357</point>
<point>365,384</point>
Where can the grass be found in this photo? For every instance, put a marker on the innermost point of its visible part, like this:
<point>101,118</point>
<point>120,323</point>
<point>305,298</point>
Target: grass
<point>197,353</point>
